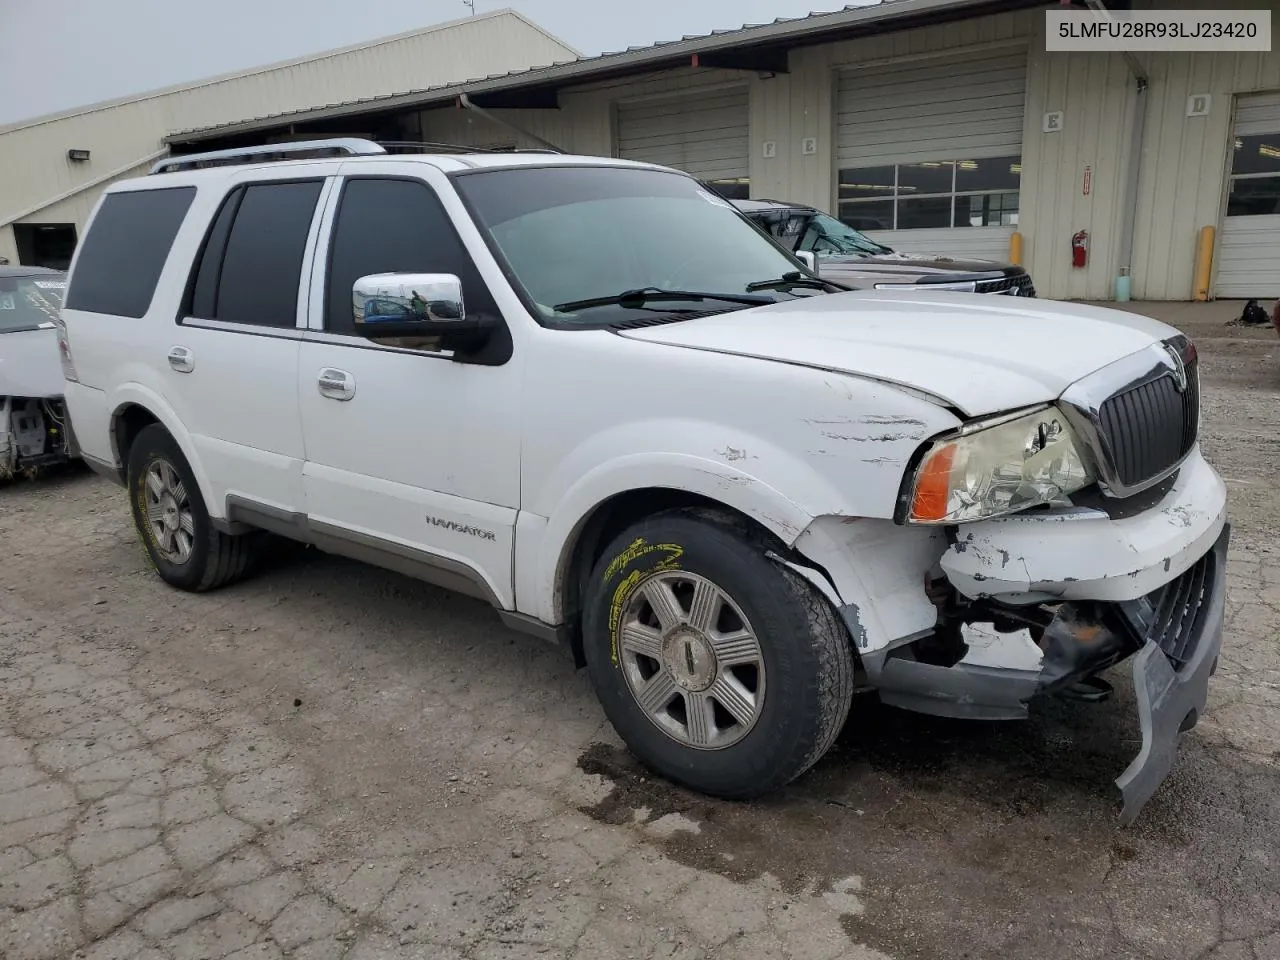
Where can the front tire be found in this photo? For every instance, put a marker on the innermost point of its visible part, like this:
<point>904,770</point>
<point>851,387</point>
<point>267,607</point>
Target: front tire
<point>720,668</point>
<point>170,515</point>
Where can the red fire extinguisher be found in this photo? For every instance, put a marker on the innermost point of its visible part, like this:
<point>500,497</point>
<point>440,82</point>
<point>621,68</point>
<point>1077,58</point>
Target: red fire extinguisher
<point>1080,249</point>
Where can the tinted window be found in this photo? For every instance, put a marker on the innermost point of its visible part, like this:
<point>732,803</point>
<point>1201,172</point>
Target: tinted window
<point>204,290</point>
<point>394,226</point>
<point>121,258</point>
<point>262,264</point>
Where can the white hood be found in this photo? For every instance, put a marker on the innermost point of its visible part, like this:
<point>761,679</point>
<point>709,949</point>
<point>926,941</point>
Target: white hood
<point>29,364</point>
<point>979,353</point>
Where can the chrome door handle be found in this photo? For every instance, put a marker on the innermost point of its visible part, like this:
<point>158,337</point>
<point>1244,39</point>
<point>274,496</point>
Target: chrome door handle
<point>336,384</point>
<point>180,359</point>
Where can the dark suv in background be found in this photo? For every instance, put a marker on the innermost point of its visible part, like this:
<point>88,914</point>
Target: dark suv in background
<point>852,259</point>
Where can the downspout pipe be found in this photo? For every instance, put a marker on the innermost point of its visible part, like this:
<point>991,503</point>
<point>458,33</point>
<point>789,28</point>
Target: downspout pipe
<point>465,103</point>
<point>1137,138</point>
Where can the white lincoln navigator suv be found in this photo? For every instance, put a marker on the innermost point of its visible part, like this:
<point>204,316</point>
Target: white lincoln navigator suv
<point>592,393</point>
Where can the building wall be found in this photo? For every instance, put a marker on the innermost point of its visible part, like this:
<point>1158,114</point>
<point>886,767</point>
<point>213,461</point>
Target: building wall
<point>1184,160</point>
<point>1095,94</point>
<point>790,107</point>
<point>120,135</point>
<point>585,120</point>
<point>1180,190</point>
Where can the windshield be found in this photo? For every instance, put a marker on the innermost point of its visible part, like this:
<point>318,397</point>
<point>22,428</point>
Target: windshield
<point>826,234</point>
<point>28,302</point>
<point>570,234</point>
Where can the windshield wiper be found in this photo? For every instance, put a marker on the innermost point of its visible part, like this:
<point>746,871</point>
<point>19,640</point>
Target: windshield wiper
<point>638,298</point>
<point>793,279</point>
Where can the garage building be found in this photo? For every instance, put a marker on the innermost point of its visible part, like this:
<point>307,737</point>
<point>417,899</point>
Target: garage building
<point>55,167</point>
<point>935,125</point>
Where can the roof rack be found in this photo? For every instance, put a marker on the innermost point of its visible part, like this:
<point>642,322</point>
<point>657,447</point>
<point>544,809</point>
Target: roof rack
<point>436,146</point>
<point>429,146</point>
<point>304,149</point>
<point>310,149</point>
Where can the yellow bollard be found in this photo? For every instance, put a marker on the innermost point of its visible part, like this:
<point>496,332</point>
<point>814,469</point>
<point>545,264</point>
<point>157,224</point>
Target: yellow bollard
<point>1015,248</point>
<point>1204,262</point>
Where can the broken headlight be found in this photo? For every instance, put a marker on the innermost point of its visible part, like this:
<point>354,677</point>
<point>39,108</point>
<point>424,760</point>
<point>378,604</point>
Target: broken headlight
<point>998,467</point>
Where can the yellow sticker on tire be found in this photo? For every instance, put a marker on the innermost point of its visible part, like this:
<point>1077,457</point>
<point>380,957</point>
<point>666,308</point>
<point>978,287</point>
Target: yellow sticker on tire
<point>622,593</point>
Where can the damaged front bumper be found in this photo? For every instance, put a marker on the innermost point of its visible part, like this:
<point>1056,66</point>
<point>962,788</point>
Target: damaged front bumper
<point>1087,553</point>
<point>1182,626</point>
<point>1148,586</point>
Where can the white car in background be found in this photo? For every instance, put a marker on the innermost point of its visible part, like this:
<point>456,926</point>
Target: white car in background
<point>34,430</point>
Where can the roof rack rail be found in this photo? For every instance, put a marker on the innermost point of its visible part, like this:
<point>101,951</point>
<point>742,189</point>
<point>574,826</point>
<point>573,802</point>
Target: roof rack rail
<point>430,146</point>
<point>299,150</point>
<point>435,146</point>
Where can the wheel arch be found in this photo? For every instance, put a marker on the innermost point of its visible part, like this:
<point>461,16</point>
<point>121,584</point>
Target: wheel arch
<point>134,408</point>
<point>589,537</point>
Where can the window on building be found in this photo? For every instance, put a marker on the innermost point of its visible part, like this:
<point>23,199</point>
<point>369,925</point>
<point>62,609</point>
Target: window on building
<point>935,195</point>
<point>394,226</point>
<point>45,244</point>
<point>1255,176</point>
<point>125,250</point>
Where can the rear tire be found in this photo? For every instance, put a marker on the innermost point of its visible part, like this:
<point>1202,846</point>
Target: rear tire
<point>720,668</point>
<point>171,518</point>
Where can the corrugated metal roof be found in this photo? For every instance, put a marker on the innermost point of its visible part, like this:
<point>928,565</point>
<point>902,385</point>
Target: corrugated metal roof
<point>873,14</point>
<point>280,65</point>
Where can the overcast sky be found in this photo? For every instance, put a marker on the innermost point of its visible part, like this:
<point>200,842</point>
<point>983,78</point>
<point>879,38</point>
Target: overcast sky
<point>63,53</point>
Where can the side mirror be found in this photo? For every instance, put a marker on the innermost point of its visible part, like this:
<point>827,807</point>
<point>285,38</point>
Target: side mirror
<point>416,306</point>
<point>809,259</point>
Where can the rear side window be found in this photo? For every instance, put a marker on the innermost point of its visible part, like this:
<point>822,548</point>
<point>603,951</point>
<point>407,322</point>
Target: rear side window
<point>395,226</point>
<point>122,256</point>
<point>251,264</point>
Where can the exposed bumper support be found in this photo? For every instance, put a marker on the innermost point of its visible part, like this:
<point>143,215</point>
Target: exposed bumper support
<point>1178,647</point>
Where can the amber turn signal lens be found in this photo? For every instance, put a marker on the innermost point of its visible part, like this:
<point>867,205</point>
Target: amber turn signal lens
<point>933,485</point>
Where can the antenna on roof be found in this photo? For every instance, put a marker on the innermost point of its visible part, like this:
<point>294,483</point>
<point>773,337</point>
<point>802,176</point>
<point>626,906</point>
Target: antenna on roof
<point>470,4</point>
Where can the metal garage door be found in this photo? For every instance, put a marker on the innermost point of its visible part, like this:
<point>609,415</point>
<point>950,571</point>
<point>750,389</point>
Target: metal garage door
<point>1249,251</point>
<point>930,151</point>
<point>705,134</point>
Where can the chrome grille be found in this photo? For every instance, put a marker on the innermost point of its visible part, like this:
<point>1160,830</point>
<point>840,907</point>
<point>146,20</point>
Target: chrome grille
<point>1020,285</point>
<point>1148,429</point>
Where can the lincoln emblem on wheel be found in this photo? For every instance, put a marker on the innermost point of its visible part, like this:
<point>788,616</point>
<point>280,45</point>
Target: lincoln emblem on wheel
<point>691,660</point>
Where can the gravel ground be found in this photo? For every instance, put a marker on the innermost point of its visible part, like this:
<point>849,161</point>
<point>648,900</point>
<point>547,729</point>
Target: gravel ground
<point>329,761</point>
